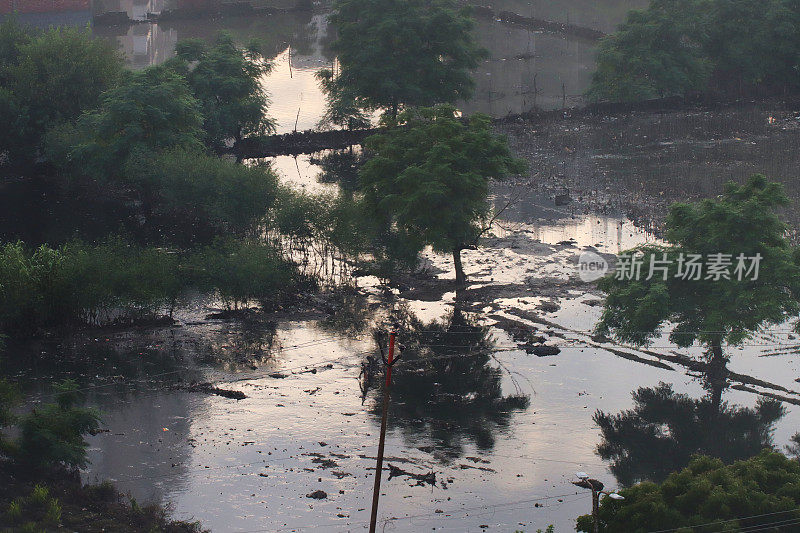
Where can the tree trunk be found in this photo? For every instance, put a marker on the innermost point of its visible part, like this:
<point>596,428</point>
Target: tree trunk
<point>461,278</point>
<point>717,372</point>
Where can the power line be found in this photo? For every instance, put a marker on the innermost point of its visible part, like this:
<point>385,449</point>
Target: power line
<point>770,525</point>
<point>720,522</point>
<point>444,514</point>
<point>308,344</point>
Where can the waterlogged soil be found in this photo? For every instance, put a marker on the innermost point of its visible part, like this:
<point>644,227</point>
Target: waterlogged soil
<point>261,423</point>
<point>297,451</point>
<point>638,163</point>
<point>258,463</point>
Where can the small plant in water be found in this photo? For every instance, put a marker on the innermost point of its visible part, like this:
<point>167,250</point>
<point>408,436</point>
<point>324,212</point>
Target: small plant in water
<point>14,513</point>
<point>37,510</point>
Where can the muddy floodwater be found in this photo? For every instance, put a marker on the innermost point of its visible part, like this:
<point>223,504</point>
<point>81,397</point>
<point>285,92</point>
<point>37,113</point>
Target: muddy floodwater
<point>502,436</point>
<point>248,465</point>
<point>525,68</point>
<point>495,443</point>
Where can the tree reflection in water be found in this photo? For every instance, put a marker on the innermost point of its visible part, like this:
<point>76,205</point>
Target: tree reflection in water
<point>445,392</point>
<point>664,429</point>
<point>341,167</point>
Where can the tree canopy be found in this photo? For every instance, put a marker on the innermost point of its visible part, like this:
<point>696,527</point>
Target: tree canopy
<point>649,57</point>
<point>677,47</point>
<point>711,308</point>
<point>151,110</point>
<point>226,80</point>
<point>430,178</point>
<point>395,53</point>
<point>754,493</point>
<point>47,78</point>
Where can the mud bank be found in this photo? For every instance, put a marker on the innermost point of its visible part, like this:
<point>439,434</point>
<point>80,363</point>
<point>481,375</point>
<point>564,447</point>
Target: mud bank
<point>211,10</point>
<point>537,24</point>
<point>636,161</point>
<point>301,142</point>
<point>524,127</point>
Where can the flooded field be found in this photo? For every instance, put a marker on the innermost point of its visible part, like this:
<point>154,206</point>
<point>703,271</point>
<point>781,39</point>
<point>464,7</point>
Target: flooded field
<point>502,435</point>
<point>496,443</point>
<point>525,69</point>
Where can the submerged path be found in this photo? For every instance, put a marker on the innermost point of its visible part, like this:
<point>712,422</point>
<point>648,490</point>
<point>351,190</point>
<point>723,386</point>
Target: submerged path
<point>300,142</point>
<point>310,141</point>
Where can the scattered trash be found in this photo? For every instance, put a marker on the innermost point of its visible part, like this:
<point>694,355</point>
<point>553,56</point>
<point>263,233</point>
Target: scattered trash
<point>208,388</point>
<point>545,351</point>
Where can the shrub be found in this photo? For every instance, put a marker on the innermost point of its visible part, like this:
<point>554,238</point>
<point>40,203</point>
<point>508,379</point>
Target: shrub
<point>241,272</point>
<point>193,197</point>
<point>36,510</point>
<point>746,495</point>
<point>81,284</point>
<point>53,434</point>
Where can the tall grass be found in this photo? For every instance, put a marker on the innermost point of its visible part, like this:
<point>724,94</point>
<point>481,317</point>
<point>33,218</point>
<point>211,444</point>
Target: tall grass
<point>78,285</point>
<point>240,272</point>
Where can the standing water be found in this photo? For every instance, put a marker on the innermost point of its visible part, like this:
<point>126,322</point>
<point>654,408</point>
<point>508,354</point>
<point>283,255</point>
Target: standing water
<point>496,442</point>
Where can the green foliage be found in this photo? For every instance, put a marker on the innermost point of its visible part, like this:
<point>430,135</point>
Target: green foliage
<point>742,221</point>
<point>664,430</point>
<point>677,47</point>
<point>62,72</point>
<point>78,284</point>
<point>14,512</point>
<point>152,110</point>
<point>397,53</point>
<point>8,398</point>
<point>53,433</point>
<point>226,81</point>
<point>765,487</point>
<point>191,197</point>
<point>649,57</point>
<point>143,148</point>
<point>343,108</point>
<point>430,179</point>
<point>48,77</point>
<point>37,511</point>
<point>242,272</point>
<point>117,283</point>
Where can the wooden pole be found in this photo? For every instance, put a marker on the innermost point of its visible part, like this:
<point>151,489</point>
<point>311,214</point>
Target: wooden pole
<point>376,493</point>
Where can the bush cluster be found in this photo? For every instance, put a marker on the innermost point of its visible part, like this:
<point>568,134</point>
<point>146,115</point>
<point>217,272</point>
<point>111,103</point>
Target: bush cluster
<point>677,47</point>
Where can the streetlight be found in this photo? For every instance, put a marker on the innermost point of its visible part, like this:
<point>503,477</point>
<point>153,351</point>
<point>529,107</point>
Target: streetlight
<point>596,487</point>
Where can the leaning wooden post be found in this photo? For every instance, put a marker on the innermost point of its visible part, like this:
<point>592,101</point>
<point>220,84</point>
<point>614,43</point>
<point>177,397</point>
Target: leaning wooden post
<point>376,493</point>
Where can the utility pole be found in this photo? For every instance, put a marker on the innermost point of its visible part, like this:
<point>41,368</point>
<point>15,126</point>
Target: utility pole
<point>596,487</point>
<point>376,493</point>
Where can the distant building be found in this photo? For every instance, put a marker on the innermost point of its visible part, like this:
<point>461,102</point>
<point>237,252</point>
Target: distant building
<point>46,13</point>
<point>44,6</point>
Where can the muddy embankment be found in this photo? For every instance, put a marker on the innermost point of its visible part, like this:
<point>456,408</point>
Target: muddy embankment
<point>537,24</point>
<point>211,10</point>
<point>602,115</point>
<point>636,160</point>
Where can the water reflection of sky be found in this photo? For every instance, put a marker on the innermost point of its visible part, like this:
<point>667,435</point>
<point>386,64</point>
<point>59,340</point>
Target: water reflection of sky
<point>238,466</point>
<point>525,68</point>
<point>245,465</point>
